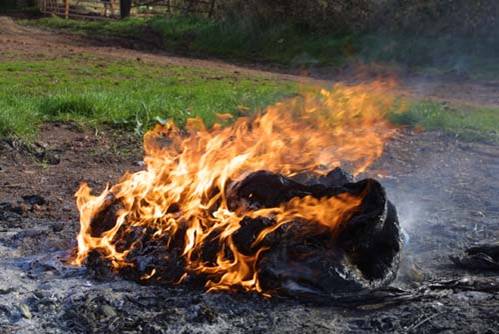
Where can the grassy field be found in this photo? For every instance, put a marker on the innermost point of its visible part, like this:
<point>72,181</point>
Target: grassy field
<point>96,91</point>
<point>93,91</point>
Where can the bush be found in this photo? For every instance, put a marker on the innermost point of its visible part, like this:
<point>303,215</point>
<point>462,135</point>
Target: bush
<point>462,17</point>
<point>339,16</point>
<point>7,4</point>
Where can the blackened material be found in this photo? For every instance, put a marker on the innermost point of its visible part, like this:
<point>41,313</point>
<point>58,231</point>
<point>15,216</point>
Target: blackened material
<point>264,189</point>
<point>305,261</point>
<point>34,199</point>
<point>106,218</point>
<point>480,257</point>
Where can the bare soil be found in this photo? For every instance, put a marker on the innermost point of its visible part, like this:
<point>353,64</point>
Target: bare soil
<point>446,192</point>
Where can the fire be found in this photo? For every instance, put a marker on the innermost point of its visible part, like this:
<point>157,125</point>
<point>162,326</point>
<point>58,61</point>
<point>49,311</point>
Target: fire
<point>184,188</point>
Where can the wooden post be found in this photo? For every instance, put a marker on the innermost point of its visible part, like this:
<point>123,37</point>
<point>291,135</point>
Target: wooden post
<point>66,9</point>
<point>125,8</point>
<point>212,8</point>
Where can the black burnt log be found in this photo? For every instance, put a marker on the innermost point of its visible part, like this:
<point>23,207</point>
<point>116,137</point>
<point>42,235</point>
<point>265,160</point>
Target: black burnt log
<point>364,254</point>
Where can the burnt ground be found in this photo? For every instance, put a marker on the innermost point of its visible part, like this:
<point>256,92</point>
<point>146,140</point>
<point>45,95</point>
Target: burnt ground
<point>446,192</point>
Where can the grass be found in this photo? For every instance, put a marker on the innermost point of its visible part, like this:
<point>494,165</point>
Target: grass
<point>467,122</point>
<point>94,91</point>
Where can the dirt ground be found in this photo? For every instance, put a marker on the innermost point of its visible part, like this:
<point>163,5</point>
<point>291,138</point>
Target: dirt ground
<point>446,192</point>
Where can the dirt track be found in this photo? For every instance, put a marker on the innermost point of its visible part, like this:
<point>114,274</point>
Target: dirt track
<point>446,192</point>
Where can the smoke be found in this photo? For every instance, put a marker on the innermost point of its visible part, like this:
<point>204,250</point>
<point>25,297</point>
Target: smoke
<point>410,211</point>
<point>421,190</point>
<point>457,38</point>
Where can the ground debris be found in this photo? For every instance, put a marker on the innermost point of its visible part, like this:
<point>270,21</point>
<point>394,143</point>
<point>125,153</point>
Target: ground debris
<point>482,284</point>
<point>34,199</point>
<point>25,311</point>
<point>479,257</point>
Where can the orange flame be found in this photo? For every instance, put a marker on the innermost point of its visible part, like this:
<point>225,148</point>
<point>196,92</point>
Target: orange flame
<point>188,171</point>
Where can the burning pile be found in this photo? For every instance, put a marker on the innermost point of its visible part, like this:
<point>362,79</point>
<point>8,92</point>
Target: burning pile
<point>260,205</point>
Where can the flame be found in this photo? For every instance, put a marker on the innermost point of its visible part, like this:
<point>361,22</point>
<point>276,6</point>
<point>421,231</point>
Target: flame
<point>188,171</point>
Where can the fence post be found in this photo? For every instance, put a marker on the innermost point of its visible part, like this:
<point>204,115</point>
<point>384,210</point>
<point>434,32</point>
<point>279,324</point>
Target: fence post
<point>66,9</point>
<point>212,8</point>
<point>125,8</point>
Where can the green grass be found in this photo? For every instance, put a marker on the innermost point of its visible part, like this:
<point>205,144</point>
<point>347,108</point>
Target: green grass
<point>130,94</point>
<point>467,122</point>
<point>94,91</point>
